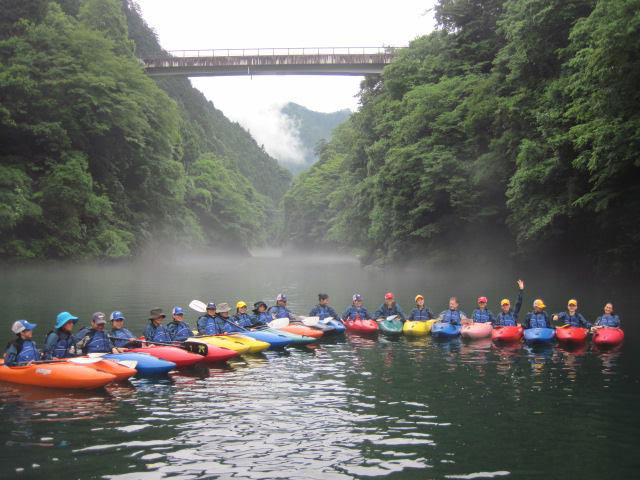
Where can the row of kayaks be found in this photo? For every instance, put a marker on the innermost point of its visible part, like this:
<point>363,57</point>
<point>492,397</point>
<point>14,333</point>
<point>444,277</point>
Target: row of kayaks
<point>393,326</point>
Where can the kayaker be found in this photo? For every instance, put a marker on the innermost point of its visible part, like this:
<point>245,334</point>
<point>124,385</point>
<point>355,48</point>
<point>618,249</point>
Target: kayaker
<point>508,317</point>
<point>260,314</point>
<point>60,342</point>
<point>94,339</point>
<point>120,336</point>
<point>223,319</point>
<point>420,313</point>
<point>208,323</point>
<point>453,315</point>
<point>280,310</point>
<point>572,317</point>
<point>609,319</point>
<point>356,310</point>
<point>482,314</point>
<point>389,308</point>
<point>322,309</point>
<point>538,318</point>
<point>23,349</point>
<point>178,329</point>
<point>241,317</point>
<point>155,331</point>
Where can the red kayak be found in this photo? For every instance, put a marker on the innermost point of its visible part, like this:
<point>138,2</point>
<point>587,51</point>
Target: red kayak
<point>506,334</point>
<point>218,354</point>
<point>362,326</point>
<point>608,336</point>
<point>571,334</point>
<point>180,357</point>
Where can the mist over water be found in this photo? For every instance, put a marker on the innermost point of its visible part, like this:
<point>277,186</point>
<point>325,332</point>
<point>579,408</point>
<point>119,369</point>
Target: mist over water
<point>350,407</point>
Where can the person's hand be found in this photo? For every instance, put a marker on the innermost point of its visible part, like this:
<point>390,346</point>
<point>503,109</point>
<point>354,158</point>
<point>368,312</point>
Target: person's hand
<point>520,284</point>
<point>555,318</point>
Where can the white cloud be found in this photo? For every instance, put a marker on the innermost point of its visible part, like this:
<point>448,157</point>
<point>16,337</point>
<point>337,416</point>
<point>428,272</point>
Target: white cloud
<point>206,24</point>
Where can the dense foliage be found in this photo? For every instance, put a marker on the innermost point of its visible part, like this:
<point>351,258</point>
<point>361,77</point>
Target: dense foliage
<point>313,130</point>
<point>515,126</point>
<point>98,160</point>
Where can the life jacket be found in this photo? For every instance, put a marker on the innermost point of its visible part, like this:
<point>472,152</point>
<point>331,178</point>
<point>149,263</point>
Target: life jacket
<point>64,343</point>
<point>262,318</point>
<point>538,320</point>
<point>98,342</point>
<point>278,311</point>
<point>322,311</point>
<point>420,315</point>
<point>242,319</point>
<point>157,334</point>
<point>353,313</point>
<point>386,311</point>
<point>576,320</point>
<point>227,327</point>
<point>481,316</point>
<point>451,316</point>
<point>26,350</point>
<point>208,325</point>
<point>122,337</point>
<point>179,331</point>
<point>506,319</point>
<point>608,321</point>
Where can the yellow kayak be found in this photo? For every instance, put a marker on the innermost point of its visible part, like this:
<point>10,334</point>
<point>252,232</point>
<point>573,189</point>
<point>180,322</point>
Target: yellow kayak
<point>254,345</point>
<point>222,341</point>
<point>417,328</point>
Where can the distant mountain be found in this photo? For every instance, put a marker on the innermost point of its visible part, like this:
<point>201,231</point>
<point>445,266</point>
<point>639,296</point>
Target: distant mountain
<point>313,128</point>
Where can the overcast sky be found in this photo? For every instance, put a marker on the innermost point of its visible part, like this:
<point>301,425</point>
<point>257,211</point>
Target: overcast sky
<point>255,102</point>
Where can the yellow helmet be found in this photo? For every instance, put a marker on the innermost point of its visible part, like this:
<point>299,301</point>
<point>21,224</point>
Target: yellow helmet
<point>539,303</point>
<point>419,296</point>
<point>240,304</point>
<point>505,301</point>
<point>573,301</point>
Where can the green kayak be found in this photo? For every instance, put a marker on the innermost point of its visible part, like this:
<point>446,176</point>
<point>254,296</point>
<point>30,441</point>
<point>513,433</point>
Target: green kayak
<point>390,327</point>
<point>296,340</point>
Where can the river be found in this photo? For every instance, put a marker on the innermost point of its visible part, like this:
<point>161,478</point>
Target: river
<point>350,407</point>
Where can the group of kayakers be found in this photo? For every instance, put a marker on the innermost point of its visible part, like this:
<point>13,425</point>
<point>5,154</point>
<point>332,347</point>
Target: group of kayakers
<point>61,342</point>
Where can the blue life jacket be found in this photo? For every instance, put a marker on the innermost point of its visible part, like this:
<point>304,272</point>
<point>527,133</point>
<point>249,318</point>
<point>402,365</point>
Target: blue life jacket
<point>323,311</point>
<point>58,343</point>
<point>453,317</point>
<point>608,321</point>
<point>226,326</point>
<point>98,342</point>
<point>156,334</point>
<point>123,335</point>
<point>27,351</point>
<point>384,311</point>
<point>506,319</point>
<point>576,320</point>
<point>483,316</point>
<point>262,318</point>
<point>179,331</point>
<point>242,319</point>
<point>208,325</point>
<point>421,315</point>
<point>352,313</point>
<point>278,311</point>
<point>537,320</point>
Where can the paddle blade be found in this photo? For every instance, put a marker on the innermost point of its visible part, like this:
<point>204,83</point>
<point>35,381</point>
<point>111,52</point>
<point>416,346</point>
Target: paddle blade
<point>310,321</point>
<point>279,323</point>
<point>196,347</point>
<point>128,363</point>
<point>392,317</point>
<point>198,306</point>
<point>84,360</point>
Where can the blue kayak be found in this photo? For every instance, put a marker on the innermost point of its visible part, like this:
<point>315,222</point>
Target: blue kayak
<point>539,335</point>
<point>147,364</point>
<point>338,326</point>
<point>445,330</point>
<point>276,341</point>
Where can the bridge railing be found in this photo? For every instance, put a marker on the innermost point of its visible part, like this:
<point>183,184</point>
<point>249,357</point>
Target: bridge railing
<point>257,52</point>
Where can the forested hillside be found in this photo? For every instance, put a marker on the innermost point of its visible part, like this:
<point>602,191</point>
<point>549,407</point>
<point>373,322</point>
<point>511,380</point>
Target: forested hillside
<point>313,130</point>
<point>515,127</point>
<point>98,160</point>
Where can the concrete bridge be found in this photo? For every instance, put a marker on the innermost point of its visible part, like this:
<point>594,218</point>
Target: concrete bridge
<point>271,61</point>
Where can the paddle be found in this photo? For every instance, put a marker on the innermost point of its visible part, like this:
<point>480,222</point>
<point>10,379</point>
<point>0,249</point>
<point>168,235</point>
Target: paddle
<point>310,321</point>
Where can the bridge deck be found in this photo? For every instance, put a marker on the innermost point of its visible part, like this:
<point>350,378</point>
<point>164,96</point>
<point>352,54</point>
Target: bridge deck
<point>314,61</point>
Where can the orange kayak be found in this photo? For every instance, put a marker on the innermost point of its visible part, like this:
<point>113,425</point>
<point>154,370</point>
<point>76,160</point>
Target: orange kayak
<point>300,329</point>
<point>56,375</point>
<point>114,368</point>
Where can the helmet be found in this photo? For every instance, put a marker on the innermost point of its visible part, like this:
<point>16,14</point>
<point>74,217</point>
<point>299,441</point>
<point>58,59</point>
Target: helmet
<point>281,297</point>
<point>241,304</point>
<point>21,326</point>
<point>116,315</point>
<point>388,296</point>
<point>505,301</point>
<point>419,296</point>
<point>177,311</point>
<point>482,300</point>
<point>539,303</point>
<point>573,301</point>
<point>211,306</point>
<point>356,297</point>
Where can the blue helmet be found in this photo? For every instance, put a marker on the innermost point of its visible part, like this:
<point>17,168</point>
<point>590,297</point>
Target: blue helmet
<point>177,311</point>
<point>63,318</point>
<point>117,315</point>
<point>22,325</point>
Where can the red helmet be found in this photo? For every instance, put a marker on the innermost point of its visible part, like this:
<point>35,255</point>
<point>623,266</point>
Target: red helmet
<point>482,300</point>
<point>388,296</point>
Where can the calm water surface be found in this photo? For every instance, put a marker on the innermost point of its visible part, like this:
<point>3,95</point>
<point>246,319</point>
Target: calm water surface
<point>350,407</point>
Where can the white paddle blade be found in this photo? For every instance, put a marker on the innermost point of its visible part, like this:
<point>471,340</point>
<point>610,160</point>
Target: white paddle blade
<point>198,306</point>
<point>392,317</point>
<point>310,321</point>
<point>96,355</point>
<point>84,360</point>
<point>326,320</point>
<point>128,363</point>
<point>279,322</point>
